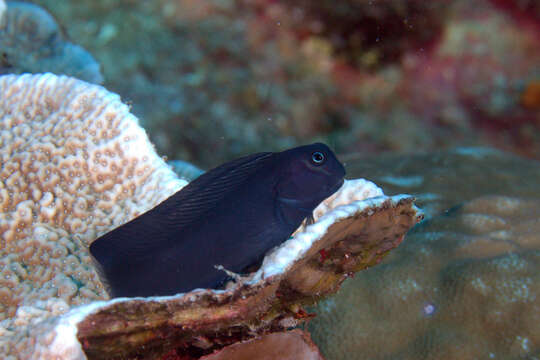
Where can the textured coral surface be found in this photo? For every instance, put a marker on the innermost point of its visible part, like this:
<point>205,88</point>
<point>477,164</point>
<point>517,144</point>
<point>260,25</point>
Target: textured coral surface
<point>465,284</point>
<point>74,164</point>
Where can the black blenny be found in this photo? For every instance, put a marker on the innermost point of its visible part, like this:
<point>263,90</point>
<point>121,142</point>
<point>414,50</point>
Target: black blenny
<point>230,216</point>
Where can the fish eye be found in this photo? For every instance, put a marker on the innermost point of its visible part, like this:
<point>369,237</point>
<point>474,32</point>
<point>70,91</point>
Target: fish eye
<point>317,158</point>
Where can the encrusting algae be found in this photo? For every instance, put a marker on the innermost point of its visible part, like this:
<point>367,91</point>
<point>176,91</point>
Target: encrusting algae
<point>75,165</point>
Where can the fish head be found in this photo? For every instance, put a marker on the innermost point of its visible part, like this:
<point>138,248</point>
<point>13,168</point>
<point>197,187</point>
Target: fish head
<point>309,174</point>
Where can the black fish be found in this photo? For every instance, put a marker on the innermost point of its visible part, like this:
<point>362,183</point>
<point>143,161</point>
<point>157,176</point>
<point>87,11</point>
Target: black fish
<point>230,216</point>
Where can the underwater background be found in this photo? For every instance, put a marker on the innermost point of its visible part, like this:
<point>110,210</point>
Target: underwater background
<point>438,99</point>
<point>211,80</point>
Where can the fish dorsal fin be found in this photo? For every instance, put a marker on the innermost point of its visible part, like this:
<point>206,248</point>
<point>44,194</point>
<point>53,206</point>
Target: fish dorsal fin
<point>150,230</point>
<point>202,194</point>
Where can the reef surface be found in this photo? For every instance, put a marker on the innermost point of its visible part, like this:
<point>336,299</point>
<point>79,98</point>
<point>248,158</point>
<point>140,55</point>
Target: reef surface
<point>466,282</point>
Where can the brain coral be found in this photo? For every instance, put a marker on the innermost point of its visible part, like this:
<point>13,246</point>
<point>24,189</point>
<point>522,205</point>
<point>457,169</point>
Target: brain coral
<point>31,41</point>
<point>75,163</point>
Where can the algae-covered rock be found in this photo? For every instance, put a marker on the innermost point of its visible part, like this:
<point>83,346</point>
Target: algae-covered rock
<point>465,284</point>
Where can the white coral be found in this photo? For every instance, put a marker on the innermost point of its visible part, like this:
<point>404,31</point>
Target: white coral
<point>75,164</point>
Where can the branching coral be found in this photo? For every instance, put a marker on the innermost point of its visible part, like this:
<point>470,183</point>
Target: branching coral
<point>31,41</point>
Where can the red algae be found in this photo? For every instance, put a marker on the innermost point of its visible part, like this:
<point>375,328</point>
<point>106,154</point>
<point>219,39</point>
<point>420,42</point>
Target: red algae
<point>530,98</point>
<point>525,12</point>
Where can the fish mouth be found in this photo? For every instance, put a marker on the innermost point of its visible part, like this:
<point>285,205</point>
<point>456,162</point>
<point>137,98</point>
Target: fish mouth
<point>298,204</point>
<point>336,186</point>
<point>301,204</point>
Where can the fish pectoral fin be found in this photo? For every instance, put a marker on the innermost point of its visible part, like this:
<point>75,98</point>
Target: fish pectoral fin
<point>102,276</point>
<point>231,276</point>
<point>309,220</point>
<point>230,273</point>
<point>301,205</point>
